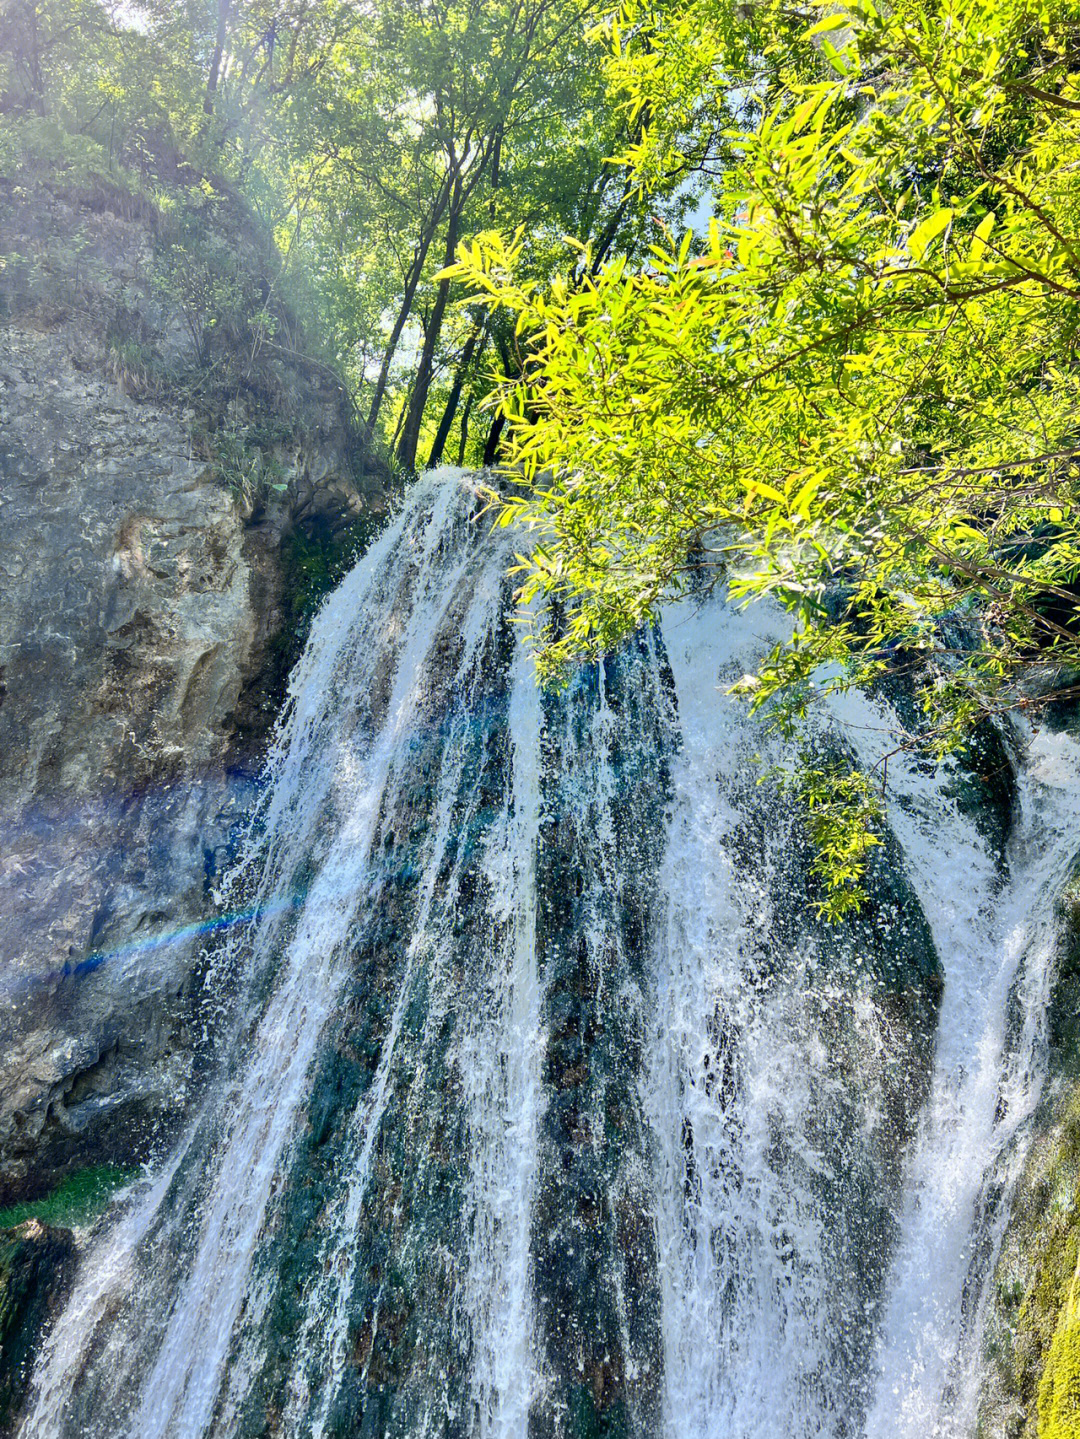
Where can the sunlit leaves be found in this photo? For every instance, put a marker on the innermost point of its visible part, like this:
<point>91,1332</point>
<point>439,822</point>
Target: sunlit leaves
<point>857,393</point>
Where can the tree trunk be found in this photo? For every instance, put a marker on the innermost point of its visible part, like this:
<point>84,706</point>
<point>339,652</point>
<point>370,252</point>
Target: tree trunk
<point>410,436</point>
<point>412,280</point>
<point>219,53</point>
<point>491,449</point>
<point>397,427</point>
<point>498,424</point>
<point>442,434</point>
<point>607,239</point>
<point>464,440</point>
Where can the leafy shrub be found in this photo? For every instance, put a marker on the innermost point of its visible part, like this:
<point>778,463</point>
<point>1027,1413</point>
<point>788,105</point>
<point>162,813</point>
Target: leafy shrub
<point>200,276</point>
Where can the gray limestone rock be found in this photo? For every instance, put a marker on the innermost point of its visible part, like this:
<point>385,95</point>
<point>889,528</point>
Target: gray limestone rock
<point>141,660</point>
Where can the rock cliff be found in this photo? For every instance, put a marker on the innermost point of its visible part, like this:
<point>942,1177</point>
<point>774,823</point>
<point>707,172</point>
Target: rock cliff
<point>156,461</point>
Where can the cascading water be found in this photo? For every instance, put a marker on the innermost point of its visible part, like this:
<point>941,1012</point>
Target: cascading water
<point>997,936</point>
<point>788,1063</point>
<point>549,1110</point>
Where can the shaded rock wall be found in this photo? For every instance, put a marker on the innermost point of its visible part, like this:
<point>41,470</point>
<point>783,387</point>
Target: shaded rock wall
<point>35,1262</point>
<point>147,499</point>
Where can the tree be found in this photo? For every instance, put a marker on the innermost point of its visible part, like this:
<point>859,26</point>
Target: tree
<point>367,139</point>
<point>429,123</point>
<point>858,393</point>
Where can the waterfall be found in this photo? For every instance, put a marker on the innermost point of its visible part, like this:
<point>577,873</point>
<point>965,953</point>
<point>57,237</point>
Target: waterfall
<point>544,1107</point>
<point>997,936</point>
<point>787,1067</point>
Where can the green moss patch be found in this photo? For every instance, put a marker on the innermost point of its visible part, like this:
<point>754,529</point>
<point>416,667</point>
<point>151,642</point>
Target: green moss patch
<point>1059,1388</point>
<point>1033,1333</point>
<point>77,1200</point>
<point>1034,1279</point>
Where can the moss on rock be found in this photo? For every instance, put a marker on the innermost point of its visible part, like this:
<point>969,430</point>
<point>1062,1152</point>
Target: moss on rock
<point>316,557</point>
<point>1059,1387</point>
<point>1032,1385</point>
<point>76,1201</point>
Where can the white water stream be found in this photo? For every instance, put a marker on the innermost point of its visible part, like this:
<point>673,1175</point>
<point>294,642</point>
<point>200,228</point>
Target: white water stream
<point>997,939</point>
<point>816,1230</point>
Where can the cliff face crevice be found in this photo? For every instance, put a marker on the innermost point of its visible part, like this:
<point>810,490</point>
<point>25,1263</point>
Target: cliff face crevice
<point>148,501</point>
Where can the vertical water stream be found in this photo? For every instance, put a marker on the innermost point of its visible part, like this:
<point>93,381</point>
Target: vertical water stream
<point>545,1107</point>
<point>997,933</point>
<point>788,1065</point>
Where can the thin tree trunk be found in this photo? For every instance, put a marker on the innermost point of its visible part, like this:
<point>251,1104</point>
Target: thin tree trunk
<point>400,422</point>
<point>219,52</point>
<point>410,437</point>
<point>33,64</point>
<point>442,434</point>
<point>498,424</point>
<point>491,449</point>
<point>412,281</point>
<point>611,229</point>
<point>464,440</point>
<point>607,239</point>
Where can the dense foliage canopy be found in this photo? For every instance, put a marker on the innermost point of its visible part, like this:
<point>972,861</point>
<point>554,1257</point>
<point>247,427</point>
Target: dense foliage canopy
<point>367,139</point>
<point>854,389</point>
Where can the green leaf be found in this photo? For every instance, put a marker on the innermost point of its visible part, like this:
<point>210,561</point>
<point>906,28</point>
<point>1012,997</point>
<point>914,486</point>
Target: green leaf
<point>979,239</point>
<point>924,234</point>
<point>830,22</point>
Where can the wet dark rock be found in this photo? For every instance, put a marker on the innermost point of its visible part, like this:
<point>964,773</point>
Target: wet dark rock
<point>982,780</point>
<point>596,1274</point>
<point>35,1264</point>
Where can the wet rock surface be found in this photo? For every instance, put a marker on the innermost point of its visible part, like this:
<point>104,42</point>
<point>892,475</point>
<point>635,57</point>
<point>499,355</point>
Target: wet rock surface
<point>593,1235</point>
<point>1035,1280</point>
<point>35,1262</point>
